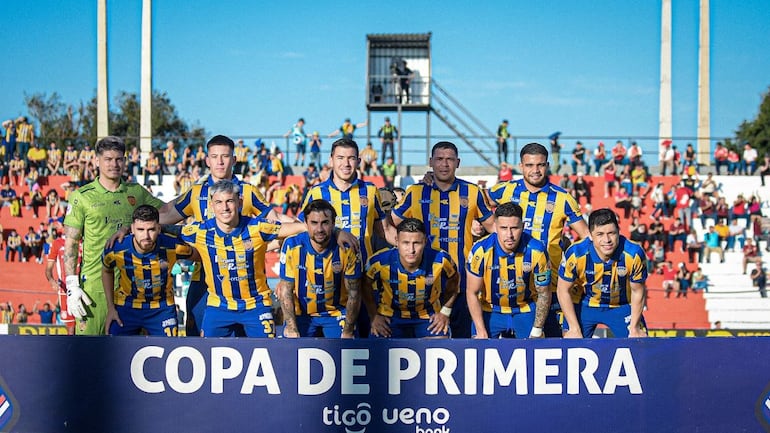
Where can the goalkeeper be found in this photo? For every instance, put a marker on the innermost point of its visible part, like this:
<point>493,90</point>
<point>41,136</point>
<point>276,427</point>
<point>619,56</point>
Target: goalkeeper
<point>96,210</point>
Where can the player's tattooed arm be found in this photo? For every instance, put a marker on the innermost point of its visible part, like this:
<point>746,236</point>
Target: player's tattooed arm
<point>543,305</point>
<point>285,294</point>
<point>71,246</point>
<point>353,305</point>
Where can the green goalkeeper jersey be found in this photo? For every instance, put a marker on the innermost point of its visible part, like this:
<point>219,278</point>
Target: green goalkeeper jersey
<point>99,213</point>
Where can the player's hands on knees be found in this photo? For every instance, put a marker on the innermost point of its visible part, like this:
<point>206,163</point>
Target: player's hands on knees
<point>439,324</point>
<point>381,326</point>
<point>573,333</point>
<point>290,333</point>
<point>347,334</point>
<point>112,316</point>
<point>117,237</point>
<point>637,332</point>
<point>481,334</point>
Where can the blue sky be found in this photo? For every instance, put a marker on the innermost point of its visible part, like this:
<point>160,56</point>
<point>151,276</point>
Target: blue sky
<point>586,68</point>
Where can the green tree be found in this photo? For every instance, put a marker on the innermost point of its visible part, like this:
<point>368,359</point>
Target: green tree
<point>757,131</point>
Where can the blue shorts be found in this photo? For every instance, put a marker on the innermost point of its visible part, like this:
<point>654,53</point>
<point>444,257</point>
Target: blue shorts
<point>516,325</point>
<point>256,323</point>
<point>330,327</point>
<point>615,318</point>
<point>411,328</point>
<point>160,322</point>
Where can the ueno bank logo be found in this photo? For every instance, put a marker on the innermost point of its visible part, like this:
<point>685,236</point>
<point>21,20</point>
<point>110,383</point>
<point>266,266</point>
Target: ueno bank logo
<point>356,420</point>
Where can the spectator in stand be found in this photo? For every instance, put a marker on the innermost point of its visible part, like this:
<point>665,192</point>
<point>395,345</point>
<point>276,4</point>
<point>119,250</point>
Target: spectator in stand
<point>635,154</point>
<point>369,160</point>
<point>764,169</point>
<point>755,209</point>
<point>689,160</point>
<point>54,161</point>
<point>566,183</point>
<point>502,142</point>
<point>699,280</point>
<point>720,157</point>
<point>298,138</point>
<point>188,160</point>
<point>151,167</point>
<point>16,169</point>
<point>749,161</point>
<point>623,201</point>
<point>610,179</point>
<point>722,209</point>
<point>555,152</point>
<point>388,133</point>
<point>600,158</point>
<point>733,161</point>
<point>315,149</point>
<point>625,179</point>
<point>13,246</point>
<point>6,313</point>
<point>639,179</point>
<point>759,278</point>
<point>683,280</point>
<point>582,188</point>
<point>619,153</point>
<point>32,178</point>
<point>677,160</point>
<point>86,160</point>
<point>31,246</point>
<point>200,158</point>
<point>709,186</point>
<point>8,139</point>
<point>677,232</point>
<point>683,211</point>
<point>694,246</point>
<point>347,129</point>
<point>578,157</point>
<point>170,158</point>
<point>7,196</point>
<point>639,233</point>
<point>311,176</point>
<point>722,230</point>
<point>669,278</point>
<point>46,314</point>
<point>737,232</point>
<point>25,135</point>
<point>739,210</point>
<point>667,158</point>
<point>53,208</point>
<point>656,231</point>
<point>36,200</point>
<point>22,316</point>
<point>37,157</point>
<point>388,171</point>
<point>713,243</point>
<point>750,254</point>
<point>506,173</point>
<point>658,198</point>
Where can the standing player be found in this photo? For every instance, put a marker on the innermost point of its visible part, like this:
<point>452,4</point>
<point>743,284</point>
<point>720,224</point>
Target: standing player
<point>319,288</point>
<point>96,210</point>
<point>547,208</point>
<point>56,259</point>
<point>409,289</point>
<point>512,273</point>
<point>448,206</point>
<point>357,203</point>
<point>611,271</point>
<point>145,295</point>
<point>232,249</point>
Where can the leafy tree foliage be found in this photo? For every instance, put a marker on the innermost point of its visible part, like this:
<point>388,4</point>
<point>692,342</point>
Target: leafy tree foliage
<point>757,131</point>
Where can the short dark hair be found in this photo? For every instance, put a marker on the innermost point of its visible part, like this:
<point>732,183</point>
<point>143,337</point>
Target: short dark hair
<point>344,142</point>
<point>110,143</point>
<point>533,149</point>
<point>411,225</point>
<point>147,213</point>
<point>509,209</point>
<point>444,145</point>
<point>601,217</point>
<point>320,205</point>
<point>221,140</point>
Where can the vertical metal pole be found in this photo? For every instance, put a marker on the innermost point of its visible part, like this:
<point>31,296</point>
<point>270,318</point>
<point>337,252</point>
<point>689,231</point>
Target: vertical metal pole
<point>665,116</point>
<point>400,139</point>
<point>704,92</point>
<point>145,122</point>
<point>102,101</point>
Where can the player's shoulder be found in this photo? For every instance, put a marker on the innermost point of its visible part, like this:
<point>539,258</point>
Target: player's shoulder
<point>581,247</point>
<point>532,243</point>
<point>631,247</point>
<point>383,255</point>
<point>484,243</point>
<point>295,241</point>
<point>555,188</point>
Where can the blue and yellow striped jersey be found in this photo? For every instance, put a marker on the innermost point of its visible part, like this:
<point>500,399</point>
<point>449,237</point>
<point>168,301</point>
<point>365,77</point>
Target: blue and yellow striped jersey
<point>410,295</point>
<point>606,284</point>
<point>510,280</point>
<point>546,212</point>
<point>358,209</point>
<point>448,216</point>
<point>195,202</point>
<point>234,263</point>
<point>317,278</point>
<point>144,278</point>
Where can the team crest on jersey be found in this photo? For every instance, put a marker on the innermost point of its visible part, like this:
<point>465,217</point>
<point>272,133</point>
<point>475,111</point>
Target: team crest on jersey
<point>337,267</point>
<point>622,271</point>
<point>364,203</point>
<point>429,280</point>
<point>464,202</point>
<point>526,267</point>
<point>248,244</point>
<point>163,264</point>
<point>550,206</point>
<point>131,200</point>
<point>188,230</point>
<point>9,410</point>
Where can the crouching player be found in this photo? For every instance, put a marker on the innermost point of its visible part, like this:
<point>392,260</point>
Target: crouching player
<point>319,287</point>
<point>612,272</point>
<point>510,270</point>
<point>409,289</point>
<point>144,298</point>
